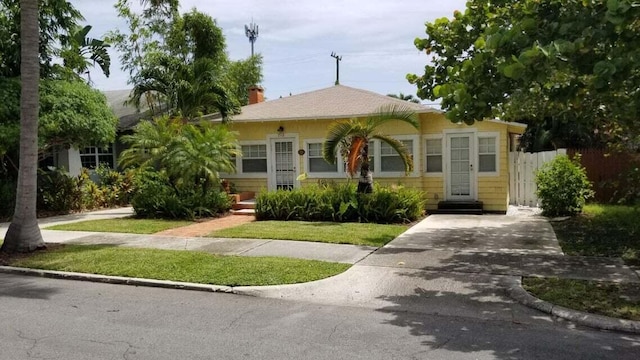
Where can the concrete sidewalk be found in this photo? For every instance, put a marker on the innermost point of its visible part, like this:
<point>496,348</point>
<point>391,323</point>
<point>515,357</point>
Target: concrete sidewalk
<point>341,253</point>
<point>72,218</point>
<point>349,254</point>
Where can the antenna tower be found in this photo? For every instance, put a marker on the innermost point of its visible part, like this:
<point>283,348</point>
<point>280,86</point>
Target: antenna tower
<point>251,31</point>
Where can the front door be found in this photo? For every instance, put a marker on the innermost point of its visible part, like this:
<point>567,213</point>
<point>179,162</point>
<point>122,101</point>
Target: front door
<point>460,173</point>
<point>283,174</point>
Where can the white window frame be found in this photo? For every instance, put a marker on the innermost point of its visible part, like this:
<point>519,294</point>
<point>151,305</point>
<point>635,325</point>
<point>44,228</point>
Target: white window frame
<point>484,135</point>
<point>99,152</point>
<point>316,175</point>
<point>252,175</point>
<point>394,174</point>
<point>442,154</point>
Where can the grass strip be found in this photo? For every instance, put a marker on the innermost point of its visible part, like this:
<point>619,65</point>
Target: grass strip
<point>189,266</point>
<point>124,225</point>
<point>602,230</point>
<point>603,298</point>
<point>327,232</point>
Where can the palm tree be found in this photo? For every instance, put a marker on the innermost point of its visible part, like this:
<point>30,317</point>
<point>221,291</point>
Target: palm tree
<point>201,153</point>
<point>354,136</point>
<point>187,153</point>
<point>190,90</point>
<point>401,96</point>
<point>24,234</point>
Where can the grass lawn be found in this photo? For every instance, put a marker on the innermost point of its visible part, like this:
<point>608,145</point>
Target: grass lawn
<point>610,299</point>
<point>189,266</point>
<point>602,230</point>
<point>124,225</point>
<point>327,232</point>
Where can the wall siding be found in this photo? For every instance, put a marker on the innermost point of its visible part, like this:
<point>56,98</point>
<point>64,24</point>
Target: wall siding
<point>492,190</point>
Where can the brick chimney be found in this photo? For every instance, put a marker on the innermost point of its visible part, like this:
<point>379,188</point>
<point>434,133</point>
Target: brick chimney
<point>256,94</point>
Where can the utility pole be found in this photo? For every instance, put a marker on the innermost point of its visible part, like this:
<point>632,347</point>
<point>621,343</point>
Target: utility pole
<point>338,58</point>
<point>251,31</point>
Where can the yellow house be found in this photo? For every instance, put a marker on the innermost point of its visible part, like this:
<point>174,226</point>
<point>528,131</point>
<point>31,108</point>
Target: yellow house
<point>282,139</point>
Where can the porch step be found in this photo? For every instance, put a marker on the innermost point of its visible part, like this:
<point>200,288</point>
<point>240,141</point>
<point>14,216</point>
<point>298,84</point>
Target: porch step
<point>459,207</point>
<point>250,212</point>
<point>244,207</point>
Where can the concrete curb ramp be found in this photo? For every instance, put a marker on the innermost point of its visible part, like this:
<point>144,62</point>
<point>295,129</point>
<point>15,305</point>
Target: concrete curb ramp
<point>518,293</point>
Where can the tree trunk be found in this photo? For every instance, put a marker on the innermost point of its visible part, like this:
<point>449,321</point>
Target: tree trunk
<point>24,234</point>
<point>365,181</point>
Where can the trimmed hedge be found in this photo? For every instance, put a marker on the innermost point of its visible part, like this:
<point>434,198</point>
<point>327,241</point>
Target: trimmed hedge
<point>341,203</point>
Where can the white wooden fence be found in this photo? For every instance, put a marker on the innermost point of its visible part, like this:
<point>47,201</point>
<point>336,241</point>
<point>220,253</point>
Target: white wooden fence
<point>522,169</point>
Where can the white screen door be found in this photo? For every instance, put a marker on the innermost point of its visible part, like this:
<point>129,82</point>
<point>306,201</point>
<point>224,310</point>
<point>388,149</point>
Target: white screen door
<point>285,170</point>
<point>460,179</point>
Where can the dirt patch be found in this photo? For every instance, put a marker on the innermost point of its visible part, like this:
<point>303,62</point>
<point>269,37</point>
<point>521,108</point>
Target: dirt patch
<point>206,227</point>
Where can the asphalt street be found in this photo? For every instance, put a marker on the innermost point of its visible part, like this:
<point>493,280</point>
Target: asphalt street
<point>62,319</point>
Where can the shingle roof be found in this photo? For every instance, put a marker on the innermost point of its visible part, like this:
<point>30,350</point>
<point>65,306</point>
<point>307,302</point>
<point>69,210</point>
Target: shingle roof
<point>330,103</point>
<point>128,116</point>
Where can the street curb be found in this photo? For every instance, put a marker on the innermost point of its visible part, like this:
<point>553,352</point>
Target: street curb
<point>518,293</point>
<point>116,279</point>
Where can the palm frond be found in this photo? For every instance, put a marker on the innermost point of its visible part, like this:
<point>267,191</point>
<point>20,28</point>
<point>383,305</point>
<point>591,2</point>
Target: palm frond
<point>337,133</point>
<point>391,112</point>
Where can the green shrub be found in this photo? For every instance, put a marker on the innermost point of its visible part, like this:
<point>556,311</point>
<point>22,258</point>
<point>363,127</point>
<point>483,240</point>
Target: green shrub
<point>59,192</point>
<point>563,187</point>
<point>117,188</point>
<point>341,203</point>
<point>155,197</point>
<point>7,198</point>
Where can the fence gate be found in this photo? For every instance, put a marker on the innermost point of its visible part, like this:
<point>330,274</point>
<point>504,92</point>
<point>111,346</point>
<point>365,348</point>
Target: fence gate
<point>522,169</point>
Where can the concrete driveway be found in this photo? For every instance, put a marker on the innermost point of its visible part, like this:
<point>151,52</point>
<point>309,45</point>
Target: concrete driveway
<point>453,265</point>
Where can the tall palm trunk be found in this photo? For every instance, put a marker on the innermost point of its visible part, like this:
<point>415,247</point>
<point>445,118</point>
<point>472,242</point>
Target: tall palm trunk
<point>24,234</point>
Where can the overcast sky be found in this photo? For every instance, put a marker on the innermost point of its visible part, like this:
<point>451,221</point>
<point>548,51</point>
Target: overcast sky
<point>296,37</point>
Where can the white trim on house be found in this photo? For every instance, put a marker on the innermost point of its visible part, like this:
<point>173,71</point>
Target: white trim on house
<point>484,135</point>
<point>473,180</point>
<point>241,175</point>
<point>321,175</point>
<point>271,164</point>
<point>377,158</point>
<point>424,154</point>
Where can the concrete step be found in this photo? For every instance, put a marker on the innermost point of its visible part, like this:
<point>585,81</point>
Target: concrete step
<point>250,212</point>
<point>443,205</point>
<point>245,204</point>
<point>456,211</point>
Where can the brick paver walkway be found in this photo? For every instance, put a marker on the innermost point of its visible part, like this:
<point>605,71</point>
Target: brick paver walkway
<point>206,227</point>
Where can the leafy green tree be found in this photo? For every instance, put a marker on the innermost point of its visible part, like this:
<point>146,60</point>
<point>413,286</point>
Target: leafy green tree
<point>71,114</point>
<point>353,137</point>
<point>56,19</point>
<point>183,60</point>
<point>404,97</point>
<point>24,234</point>
<point>568,60</point>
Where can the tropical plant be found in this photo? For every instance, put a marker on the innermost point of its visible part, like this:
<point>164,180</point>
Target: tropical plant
<point>408,97</point>
<point>352,138</point>
<point>341,203</point>
<point>24,234</point>
<point>79,51</point>
<point>190,90</point>
<point>187,153</point>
